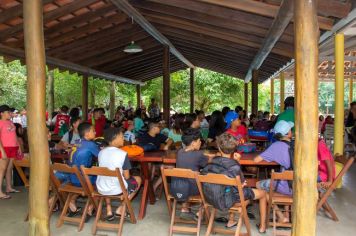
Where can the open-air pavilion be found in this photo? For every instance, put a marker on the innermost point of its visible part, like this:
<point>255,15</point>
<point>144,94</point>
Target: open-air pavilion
<point>247,39</point>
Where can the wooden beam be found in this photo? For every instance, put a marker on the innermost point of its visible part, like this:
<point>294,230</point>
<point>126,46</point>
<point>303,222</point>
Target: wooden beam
<point>85,109</point>
<point>154,75</point>
<point>112,105</point>
<point>281,91</point>
<point>49,16</point>
<point>272,96</point>
<point>70,66</point>
<point>36,110</point>
<point>264,9</point>
<point>138,96</point>
<point>192,87</point>
<point>254,100</point>
<point>131,11</point>
<point>305,194</point>
<point>351,89</point>
<point>284,16</point>
<point>166,84</point>
<point>246,97</point>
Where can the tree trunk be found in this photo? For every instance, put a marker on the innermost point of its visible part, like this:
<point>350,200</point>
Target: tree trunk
<point>37,131</point>
<point>112,100</point>
<point>92,96</point>
<point>305,195</point>
<point>85,98</point>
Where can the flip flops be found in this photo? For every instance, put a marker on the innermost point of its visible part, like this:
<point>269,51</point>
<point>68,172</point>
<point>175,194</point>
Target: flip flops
<point>258,228</point>
<point>5,197</point>
<point>13,191</point>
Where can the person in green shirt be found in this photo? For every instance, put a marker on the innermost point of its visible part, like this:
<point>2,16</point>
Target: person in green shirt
<point>288,114</point>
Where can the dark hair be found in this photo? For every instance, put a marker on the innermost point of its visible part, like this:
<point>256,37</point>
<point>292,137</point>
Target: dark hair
<point>102,110</point>
<point>96,110</point>
<point>64,109</point>
<point>73,120</point>
<point>138,112</point>
<point>217,122</point>
<point>111,133</point>
<point>152,125</point>
<point>226,143</point>
<point>266,114</point>
<point>189,119</point>
<point>74,112</point>
<point>225,110</point>
<point>179,123</point>
<point>201,112</point>
<point>238,109</point>
<point>289,102</point>
<point>278,136</point>
<point>83,128</point>
<point>190,135</point>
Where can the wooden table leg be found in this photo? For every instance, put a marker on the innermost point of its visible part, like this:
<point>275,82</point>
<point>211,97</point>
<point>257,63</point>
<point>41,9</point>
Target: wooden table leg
<point>147,191</point>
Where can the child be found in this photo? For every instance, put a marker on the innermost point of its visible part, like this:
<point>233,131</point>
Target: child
<point>281,152</point>
<point>326,165</point>
<point>98,120</point>
<point>61,119</point>
<point>113,157</point>
<point>235,128</point>
<point>9,149</point>
<point>175,134</point>
<point>72,136</point>
<point>191,158</point>
<point>153,139</point>
<point>227,160</point>
<point>129,136</point>
<point>20,136</point>
<point>84,152</point>
<point>138,122</point>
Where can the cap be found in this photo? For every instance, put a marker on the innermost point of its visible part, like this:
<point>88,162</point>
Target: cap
<point>283,127</point>
<point>230,117</point>
<point>4,108</point>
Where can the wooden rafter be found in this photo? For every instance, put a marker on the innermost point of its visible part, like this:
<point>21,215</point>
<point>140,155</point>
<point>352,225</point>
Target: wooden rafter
<point>284,16</point>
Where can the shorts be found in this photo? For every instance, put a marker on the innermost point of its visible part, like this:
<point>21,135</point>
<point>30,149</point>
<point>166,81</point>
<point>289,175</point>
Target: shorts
<point>132,185</point>
<point>11,152</point>
<point>265,184</point>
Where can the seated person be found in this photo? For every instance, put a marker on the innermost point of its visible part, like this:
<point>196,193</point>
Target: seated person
<point>229,160</point>
<point>72,136</point>
<point>113,157</point>
<point>235,128</point>
<point>281,152</point>
<point>326,165</point>
<point>264,124</point>
<point>191,158</point>
<point>129,136</point>
<point>84,153</point>
<point>153,139</point>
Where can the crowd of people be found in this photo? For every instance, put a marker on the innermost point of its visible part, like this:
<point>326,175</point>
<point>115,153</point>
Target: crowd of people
<point>226,129</point>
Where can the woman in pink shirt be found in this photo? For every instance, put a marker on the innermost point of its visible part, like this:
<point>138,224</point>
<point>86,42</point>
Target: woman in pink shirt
<point>9,149</point>
<point>326,165</point>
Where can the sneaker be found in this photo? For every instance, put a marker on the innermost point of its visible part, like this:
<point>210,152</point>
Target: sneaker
<point>188,216</point>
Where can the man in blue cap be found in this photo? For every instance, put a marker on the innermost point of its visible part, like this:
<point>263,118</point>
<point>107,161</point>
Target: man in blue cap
<point>235,128</point>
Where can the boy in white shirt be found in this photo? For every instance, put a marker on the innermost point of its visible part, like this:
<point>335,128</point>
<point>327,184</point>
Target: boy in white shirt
<point>113,157</point>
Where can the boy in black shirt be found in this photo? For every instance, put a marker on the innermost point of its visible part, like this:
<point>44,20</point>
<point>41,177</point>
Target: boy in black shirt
<point>192,158</point>
<point>153,139</point>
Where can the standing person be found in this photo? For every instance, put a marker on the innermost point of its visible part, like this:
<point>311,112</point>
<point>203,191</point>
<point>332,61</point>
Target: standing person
<point>129,106</point>
<point>153,109</point>
<point>24,118</point>
<point>288,114</point>
<point>16,119</point>
<point>121,106</point>
<point>351,118</point>
<point>9,149</point>
<point>61,119</point>
<point>98,120</point>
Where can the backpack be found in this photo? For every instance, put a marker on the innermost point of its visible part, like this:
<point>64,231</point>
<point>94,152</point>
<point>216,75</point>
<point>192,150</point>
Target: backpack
<point>291,167</point>
<point>219,196</point>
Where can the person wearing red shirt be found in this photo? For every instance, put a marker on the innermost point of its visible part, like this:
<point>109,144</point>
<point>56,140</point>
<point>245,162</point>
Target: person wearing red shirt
<point>98,120</point>
<point>61,119</point>
<point>235,128</point>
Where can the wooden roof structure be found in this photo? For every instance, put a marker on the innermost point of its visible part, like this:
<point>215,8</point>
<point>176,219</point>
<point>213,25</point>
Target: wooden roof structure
<point>225,36</point>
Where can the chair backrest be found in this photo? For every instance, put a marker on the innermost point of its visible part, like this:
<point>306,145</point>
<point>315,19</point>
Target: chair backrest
<point>19,165</point>
<point>69,170</point>
<point>103,171</point>
<point>222,180</point>
<point>275,176</point>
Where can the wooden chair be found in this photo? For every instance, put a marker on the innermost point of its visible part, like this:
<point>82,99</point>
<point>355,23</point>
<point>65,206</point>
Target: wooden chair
<point>323,196</point>
<point>71,190</point>
<point>172,202</point>
<point>126,203</point>
<point>239,208</point>
<point>20,165</point>
<point>277,199</point>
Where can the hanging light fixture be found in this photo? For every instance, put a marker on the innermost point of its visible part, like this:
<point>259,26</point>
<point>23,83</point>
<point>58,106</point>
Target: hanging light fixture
<point>132,47</point>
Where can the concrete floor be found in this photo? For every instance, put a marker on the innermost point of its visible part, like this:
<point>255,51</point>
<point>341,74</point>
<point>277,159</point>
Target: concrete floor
<point>12,213</point>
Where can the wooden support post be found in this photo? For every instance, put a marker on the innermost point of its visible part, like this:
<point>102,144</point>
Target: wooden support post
<point>191,80</point>
<point>351,89</point>
<point>50,95</point>
<point>36,109</point>
<point>282,91</point>
<point>246,97</point>
<point>92,94</point>
<point>138,95</point>
<point>272,96</point>
<point>339,94</point>
<point>254,92</point>
<point>85,98</point>
<point>166,84</point>
<point>112,99</point>
<point>305,194</point>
